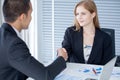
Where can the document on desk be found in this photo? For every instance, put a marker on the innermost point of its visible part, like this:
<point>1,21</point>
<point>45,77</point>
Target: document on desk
<point>115,74</point>
<point>76,71</point>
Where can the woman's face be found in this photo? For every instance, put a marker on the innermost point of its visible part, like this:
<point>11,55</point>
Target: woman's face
<point>84,17</point>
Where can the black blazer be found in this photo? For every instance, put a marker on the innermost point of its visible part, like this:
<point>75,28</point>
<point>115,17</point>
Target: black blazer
<point>16,62</point>
<point>101,51</point>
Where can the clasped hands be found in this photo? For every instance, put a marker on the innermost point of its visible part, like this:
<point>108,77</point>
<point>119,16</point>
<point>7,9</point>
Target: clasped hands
<point>62,52</point>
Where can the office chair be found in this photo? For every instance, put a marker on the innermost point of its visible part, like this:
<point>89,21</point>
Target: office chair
<point>118,61</point>
<point>111,32</point>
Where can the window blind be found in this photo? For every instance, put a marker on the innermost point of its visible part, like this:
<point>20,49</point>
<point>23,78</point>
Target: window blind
<point>63,13</point>
<point>45,52</point>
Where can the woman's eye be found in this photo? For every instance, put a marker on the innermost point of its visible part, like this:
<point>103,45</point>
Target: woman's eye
<point>77,14</point>
<point>83,13</point>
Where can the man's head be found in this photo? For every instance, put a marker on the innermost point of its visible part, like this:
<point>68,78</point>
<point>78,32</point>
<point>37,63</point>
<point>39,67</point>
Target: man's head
<point>17,11</point>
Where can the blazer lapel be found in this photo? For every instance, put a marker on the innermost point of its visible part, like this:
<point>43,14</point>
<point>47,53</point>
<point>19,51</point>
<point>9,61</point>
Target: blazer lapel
<point>95,47</point>
<point>80,43</point>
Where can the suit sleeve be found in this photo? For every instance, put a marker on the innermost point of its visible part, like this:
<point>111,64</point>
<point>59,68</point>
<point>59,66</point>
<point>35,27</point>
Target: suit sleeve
<point>20,58</point>
<point>108,54</point>
<point>66,43</point>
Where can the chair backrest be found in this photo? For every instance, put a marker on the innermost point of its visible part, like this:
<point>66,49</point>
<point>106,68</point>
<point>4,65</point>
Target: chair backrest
<point>118,61</point>
<point>111,32</point>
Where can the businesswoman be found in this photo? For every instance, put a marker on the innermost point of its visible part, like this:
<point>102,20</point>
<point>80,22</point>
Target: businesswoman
<point>85,42</point>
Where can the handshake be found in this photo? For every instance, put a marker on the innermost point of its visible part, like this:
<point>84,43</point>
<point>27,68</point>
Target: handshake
<point>62,52</point>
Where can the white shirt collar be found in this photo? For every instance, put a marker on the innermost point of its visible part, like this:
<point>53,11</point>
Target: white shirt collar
<point>17,32</point>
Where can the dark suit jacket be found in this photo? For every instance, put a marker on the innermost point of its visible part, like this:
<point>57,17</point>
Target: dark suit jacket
<point>16,62</point>
<point>101,51</point>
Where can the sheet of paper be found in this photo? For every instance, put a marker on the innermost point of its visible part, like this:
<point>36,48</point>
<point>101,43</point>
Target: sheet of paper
<point>115,74</point>
<point>79,72</point>
<point>75,71</point>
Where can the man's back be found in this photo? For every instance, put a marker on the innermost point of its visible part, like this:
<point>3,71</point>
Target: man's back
<point>7,72</point>
<point>16,61</point>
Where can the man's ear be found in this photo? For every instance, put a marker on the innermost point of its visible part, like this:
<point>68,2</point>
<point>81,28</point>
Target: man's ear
<point>22,17</point>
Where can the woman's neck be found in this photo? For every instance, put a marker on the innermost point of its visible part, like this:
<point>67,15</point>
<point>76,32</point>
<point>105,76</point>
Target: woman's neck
<point>89,29</point>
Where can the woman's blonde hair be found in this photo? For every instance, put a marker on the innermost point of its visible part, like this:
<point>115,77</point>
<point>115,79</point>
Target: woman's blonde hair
<point>91,7</point>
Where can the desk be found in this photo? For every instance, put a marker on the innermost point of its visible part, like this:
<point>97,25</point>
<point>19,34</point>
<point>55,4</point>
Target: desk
<point>76,71</point>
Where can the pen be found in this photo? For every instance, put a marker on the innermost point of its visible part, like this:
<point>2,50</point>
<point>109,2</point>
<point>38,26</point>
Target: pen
<point>94,71</point>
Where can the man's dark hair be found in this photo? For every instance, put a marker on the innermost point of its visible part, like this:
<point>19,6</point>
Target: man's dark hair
<point>12,9</point>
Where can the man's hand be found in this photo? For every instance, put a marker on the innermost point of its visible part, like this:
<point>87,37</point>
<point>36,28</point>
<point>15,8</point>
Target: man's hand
<point>62,52</point>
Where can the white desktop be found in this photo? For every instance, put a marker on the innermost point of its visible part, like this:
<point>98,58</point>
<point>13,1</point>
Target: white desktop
<point>75,71</point>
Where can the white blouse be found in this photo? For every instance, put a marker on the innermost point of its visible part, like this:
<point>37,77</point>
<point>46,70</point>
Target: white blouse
<point>87,51</point>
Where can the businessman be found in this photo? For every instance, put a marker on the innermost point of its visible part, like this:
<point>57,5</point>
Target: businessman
<point>16,62</point>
